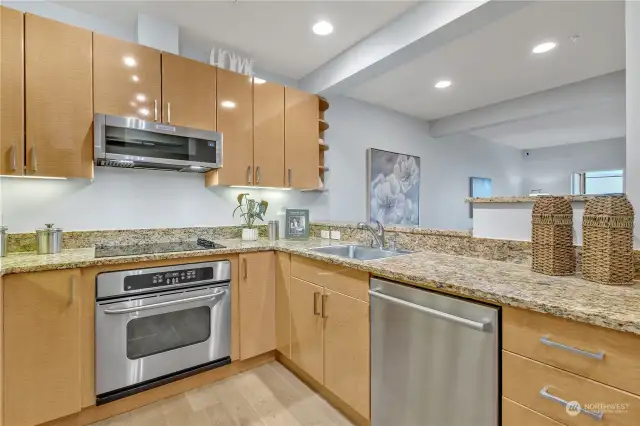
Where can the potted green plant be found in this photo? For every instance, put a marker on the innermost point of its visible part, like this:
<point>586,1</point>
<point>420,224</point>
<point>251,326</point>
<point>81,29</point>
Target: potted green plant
<point>250,210</point>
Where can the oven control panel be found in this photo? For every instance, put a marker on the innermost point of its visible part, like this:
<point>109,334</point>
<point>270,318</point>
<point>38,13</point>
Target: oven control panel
<point>170,278</point>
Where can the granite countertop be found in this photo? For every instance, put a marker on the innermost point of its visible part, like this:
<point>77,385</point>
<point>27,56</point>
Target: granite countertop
<point>523,199</point>
<point>502,283</point>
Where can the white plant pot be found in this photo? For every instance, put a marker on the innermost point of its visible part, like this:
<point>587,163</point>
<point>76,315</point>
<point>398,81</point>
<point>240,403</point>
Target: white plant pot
<point>249,234</point>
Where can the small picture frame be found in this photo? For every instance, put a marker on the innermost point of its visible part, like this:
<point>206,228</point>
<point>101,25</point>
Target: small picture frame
<point>296,225</point>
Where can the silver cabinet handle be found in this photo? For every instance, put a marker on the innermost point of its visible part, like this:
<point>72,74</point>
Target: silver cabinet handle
<point>34,159</point>
<point>162,304</point>
<point>245,270</point>
<point>155,110</point>
<point>72,288</point>
<point>168,112</point>
<point>479,326</point>
<point>315,303</point>
<point>593,414</point>
<point>13,157</point>
<point>258,175</point>
<point>545,340</point>
<point>249,175</point>
<point>325,297</point>
<point>289,178</point>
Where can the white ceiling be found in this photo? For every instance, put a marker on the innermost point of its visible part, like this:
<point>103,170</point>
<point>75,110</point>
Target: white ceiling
<point>605,120</point>
<point>277,34</point>
<point>495,63</point>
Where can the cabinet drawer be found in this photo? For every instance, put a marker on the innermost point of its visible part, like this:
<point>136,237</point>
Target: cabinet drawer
<point>607,356</point>
<point>514,414</point>
<point>525,381</point>
<point>337,278</point>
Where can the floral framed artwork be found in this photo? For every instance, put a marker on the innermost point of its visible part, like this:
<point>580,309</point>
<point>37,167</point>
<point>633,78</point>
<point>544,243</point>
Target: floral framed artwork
<point>393,192</point>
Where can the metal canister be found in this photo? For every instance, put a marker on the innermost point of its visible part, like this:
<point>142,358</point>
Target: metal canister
<point>49,239</point>
<point>274,230</point>
<point>3,241</point>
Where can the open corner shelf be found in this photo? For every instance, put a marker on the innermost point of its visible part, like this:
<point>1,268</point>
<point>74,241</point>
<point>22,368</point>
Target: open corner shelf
<point>323,125</point>
<point>323,104</point>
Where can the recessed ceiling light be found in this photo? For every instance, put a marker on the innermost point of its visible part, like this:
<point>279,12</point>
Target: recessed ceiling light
<point>129,61</point>
<point>544,47</point>
<point>258,80</point>
<point>135,78</point>
<point>228,104</point>
<point>323,28</point>
<point>442,84</point>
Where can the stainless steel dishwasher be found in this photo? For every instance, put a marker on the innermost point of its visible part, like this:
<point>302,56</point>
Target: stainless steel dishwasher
<point>434,358</point>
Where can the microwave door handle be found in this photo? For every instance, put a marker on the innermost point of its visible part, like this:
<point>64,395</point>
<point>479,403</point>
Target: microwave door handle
<point>163,304</point>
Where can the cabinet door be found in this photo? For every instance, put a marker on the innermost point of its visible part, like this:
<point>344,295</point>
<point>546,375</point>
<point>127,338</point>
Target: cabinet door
<point>126,79</point>
<point>257,304</point>
<point>235,122</point>
<point>41,347</point>
<point>346,349</point>
<point>302,157</point>
<point>283,304</point>
<point>268,136</point>
<point>12,89</point>
<point>59,105</point>
<point>188,93</point>
<point>306,328</point>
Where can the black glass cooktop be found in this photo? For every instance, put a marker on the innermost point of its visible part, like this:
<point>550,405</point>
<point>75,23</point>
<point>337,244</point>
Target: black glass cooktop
<point>134,249</point>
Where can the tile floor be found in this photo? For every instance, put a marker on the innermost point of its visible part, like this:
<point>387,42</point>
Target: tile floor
<point>269,395</point>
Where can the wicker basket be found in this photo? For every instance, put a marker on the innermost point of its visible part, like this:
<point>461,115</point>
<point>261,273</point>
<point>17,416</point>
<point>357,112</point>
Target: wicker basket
<point>607,246</point>
<point>552,237</point>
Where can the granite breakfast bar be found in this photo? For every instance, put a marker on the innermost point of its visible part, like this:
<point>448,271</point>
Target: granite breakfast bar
<point>496,282</point>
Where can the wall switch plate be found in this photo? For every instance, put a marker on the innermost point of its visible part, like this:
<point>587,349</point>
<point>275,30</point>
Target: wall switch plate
<point>325,234</point>
<point>335,235</point>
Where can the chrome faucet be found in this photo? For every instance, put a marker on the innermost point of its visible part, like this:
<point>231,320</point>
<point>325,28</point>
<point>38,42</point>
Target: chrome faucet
<point>378,235</point>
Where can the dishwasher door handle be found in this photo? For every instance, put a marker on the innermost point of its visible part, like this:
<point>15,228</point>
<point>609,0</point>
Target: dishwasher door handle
<point>475,325</point>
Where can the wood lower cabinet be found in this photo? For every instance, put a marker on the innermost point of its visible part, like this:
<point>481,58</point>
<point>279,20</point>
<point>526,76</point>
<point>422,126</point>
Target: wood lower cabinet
<point>188,93</point>
<point>268,134</point>
<point>41,347</point>
<point>126,79</point>
<point>346,349</point>
<point>12,89</point>
<point>307,334</point>
<point>235,122</point>
<point>301,136</point>
<point>257,304</point>
<point>514,414</point>
<point>283,303</point>
<point>58,99</point>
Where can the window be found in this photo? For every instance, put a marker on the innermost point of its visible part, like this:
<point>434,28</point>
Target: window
<point>597,182</point>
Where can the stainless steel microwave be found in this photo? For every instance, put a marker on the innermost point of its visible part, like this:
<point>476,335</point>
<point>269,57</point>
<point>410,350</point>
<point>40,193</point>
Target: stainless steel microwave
<point>134,143</point>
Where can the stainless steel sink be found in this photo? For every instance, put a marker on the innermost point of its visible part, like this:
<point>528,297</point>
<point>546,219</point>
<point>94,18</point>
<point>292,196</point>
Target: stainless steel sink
<point>360,252</point>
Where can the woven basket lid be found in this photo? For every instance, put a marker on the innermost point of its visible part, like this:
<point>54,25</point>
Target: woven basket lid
<point>551,205</point>
<point>610,205</point>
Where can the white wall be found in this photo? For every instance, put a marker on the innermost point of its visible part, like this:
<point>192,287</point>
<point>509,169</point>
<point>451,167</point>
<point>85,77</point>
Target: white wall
<point>131,199</point>
<point>550,168</point>
<point>632,181</point>
<point>446,164</point>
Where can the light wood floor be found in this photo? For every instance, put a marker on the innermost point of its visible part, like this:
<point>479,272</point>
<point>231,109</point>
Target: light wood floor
<point>269,395</point>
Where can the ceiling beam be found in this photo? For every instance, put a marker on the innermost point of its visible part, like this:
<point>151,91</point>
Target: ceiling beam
<point>421,29</point>
<point>591,91</point>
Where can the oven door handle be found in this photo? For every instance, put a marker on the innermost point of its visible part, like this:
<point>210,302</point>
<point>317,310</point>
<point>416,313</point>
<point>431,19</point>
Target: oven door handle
<point>162,304</point>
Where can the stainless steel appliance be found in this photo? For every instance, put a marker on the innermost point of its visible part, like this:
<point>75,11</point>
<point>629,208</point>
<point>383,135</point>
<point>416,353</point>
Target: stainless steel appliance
<point>134,143</point>
<point>49,239</point>
<point>136,249</point>
<point>3,241</point>
<point>434,359</point>
<point>157,325</point>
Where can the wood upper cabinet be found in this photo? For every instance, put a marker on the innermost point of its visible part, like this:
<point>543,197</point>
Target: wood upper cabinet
<point>307,328</point>
<point>301,137</point>
<point>235,122</point>
<point>268,134</point>
<point>58,98</point>
<point>188,93</point>
<point>12,89</point>
<point>257,304</point>
<point>41,347</point>
<point>346,349</point>
<point>283,303</point>
<point>127,79</point>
